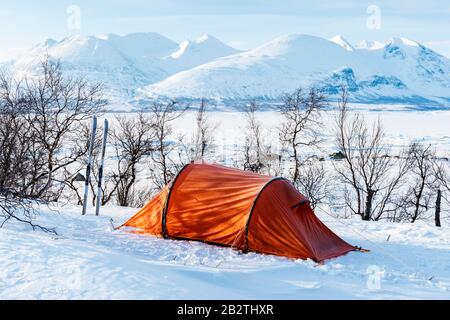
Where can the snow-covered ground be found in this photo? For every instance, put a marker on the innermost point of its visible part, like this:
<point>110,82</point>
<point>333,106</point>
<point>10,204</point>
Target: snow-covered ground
<point>401,126</point>
<point>90,260</point>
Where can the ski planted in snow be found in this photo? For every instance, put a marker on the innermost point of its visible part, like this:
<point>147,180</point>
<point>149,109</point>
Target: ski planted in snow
<point>100,169</point>
<point>89,164</point>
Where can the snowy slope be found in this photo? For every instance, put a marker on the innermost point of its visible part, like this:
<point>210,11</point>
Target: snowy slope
<point>88,260</point>
<point>400,70</point>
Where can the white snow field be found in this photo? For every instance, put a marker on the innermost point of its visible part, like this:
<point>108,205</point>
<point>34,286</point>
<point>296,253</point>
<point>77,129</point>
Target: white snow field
<point>90,260</point>
<point>400,124</point>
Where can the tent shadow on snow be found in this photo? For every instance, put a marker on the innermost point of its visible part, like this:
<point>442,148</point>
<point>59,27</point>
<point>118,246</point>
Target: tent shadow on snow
<point>239,209</point>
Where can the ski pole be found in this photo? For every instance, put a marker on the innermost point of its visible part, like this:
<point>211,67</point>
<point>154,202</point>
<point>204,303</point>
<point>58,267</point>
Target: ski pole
<point>88,167</point>
<point>100,169</point>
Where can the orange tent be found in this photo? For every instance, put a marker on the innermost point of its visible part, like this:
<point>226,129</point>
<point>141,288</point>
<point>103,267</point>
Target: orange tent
<point>239,209</point>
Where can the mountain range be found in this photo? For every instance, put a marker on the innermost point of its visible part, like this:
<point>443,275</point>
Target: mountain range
<point>142,67</point>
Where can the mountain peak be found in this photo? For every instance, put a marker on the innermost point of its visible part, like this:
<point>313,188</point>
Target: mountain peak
<point>206,44</point>
<point>206,37</point>
<point>401,41</point>
<point>340,40</point>
<point>50,42</point>
<point>293,45</point>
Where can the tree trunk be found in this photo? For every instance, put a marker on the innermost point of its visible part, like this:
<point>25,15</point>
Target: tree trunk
<point>296,168</point>
<point>49,177</point>
<point>129,185</point>
<point>368,210</point>
<point>417,204</point>
<point>437,212</point>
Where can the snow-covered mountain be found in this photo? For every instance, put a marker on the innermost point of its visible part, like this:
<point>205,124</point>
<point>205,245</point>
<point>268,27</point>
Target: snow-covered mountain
<point>400,70</point>
<point>141,67</point>
<point>122,63</point>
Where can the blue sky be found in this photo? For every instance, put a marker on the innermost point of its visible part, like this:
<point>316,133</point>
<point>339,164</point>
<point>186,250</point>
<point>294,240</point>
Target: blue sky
<point>242,24</point>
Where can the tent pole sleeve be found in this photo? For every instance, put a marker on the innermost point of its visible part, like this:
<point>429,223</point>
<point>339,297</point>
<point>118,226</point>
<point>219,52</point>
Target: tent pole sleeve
<point>247,224</point>
<point>166,206</point>
<point>300,203</point>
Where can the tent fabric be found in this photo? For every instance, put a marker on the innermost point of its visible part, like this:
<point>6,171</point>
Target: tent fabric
<point>149,218</point>
<point>240,209</point>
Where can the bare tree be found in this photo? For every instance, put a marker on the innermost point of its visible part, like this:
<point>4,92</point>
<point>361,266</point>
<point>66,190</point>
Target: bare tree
<point>314,182</point>
<point>442,188</point>
<point>40,119</point>
<point>437,213</point>
<point>418,197</point>
<point>253,147</point>
<point>271,158</point>
<point>388,205</point>
<point>57,105</point>
<point>366,167</point>
<point>70,180</point>
<point>299,131</point>
<point>133,141</point>
<point>16,143</point>
<point>204,133</point>
<point>15,146</point>
<point>164,168</point>
<point>139,196</point>
<point>15,137</point>
<point>16,207</point>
